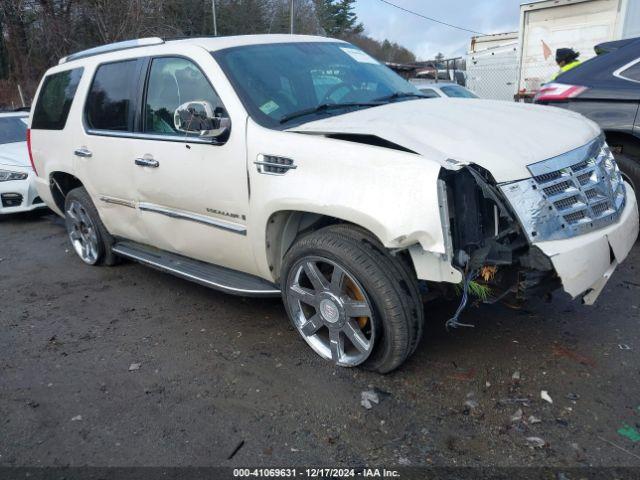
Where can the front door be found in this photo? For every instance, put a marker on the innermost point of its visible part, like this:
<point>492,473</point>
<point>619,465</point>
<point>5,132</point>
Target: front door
<point>192,191</point>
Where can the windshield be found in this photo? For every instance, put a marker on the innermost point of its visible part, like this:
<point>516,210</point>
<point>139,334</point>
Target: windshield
<point>13,129</point>
<point>457,91</point>
<point>290,83</point>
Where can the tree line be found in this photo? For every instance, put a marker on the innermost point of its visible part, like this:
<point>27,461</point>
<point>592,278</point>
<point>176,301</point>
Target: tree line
<point>35,34</point>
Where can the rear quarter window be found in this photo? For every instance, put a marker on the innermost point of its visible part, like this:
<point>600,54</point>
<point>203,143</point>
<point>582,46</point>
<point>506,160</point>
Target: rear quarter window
<point>633,72</point>
<point>111,100</point>
<point>54,102</point>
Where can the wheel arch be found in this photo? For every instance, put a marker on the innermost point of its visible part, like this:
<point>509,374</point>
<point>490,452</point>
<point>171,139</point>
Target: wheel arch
<point>60,184</point>
<point>285,226</point>
<point>623,142</point>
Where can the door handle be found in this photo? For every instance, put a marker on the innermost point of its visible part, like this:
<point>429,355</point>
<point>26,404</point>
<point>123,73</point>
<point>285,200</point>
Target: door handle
<point>147,162</point>
<point>83,152</point>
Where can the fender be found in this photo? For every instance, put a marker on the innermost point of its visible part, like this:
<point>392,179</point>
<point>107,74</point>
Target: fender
<point>391,193</point>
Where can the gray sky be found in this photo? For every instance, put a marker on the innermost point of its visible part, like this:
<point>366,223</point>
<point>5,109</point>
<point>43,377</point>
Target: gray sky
<point>426,38</point>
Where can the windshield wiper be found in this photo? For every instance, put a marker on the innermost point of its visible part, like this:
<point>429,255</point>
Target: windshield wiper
<point>325,107</point>
<point>397,95</point>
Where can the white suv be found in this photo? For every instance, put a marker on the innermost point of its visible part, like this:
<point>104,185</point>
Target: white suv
<point>301,167</point>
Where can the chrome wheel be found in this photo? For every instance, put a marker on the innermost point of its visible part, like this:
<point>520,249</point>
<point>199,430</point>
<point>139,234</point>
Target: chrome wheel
<point>82,232</point>
<point>331,311</point>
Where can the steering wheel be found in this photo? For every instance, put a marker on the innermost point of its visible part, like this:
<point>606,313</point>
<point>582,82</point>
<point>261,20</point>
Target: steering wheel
<point>335,88</point>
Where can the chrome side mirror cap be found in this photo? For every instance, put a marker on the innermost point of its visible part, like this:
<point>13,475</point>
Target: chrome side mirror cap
<point>199,117</point>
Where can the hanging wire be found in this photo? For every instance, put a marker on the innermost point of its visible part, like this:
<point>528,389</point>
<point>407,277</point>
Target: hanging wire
<point>430,18</point>
<point>453,321</point>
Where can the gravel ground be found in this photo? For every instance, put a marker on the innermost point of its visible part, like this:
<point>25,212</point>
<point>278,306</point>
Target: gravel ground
<point>226,381</point>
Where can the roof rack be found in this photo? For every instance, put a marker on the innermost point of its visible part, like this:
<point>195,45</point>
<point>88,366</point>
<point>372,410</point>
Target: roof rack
<point>113,47</point>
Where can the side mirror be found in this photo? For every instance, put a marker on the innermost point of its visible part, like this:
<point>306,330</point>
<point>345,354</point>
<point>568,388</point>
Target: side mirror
<point>200,118</point>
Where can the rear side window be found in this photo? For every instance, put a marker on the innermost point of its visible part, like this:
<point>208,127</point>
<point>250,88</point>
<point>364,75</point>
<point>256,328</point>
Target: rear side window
<point>456,91</point>
<point>54,102</point>
<point>429,93</point>
<point>633,72</point>
<point>111,99</point>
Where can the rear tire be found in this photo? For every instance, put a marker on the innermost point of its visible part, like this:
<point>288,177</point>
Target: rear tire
<point>390,313</point>
<point>88,236</point>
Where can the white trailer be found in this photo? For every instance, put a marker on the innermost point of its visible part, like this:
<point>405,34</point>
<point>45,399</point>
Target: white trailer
<point>579,24</point>
<point>492,65</point>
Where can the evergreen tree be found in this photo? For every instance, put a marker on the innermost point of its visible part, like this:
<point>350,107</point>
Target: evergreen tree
<point>337,17</point>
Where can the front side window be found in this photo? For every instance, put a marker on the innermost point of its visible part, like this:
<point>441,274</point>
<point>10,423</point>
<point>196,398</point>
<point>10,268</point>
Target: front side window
<point>278,82</point>
<point>111,100</point>
<point>173,82</point>
<point>54,102</point>
<point>13,129</point>
<point>633,72</point>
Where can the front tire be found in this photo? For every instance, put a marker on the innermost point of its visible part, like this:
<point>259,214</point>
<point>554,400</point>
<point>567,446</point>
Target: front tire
<point>87,235</point>
<point>351,301</point>
<point>630,168</point>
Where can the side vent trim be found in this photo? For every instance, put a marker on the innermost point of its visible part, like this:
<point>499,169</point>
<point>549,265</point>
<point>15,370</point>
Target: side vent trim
<point>274,165</point>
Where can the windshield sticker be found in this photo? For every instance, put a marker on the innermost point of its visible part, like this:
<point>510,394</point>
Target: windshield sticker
<point>269,107</point>
<point>359,56</point>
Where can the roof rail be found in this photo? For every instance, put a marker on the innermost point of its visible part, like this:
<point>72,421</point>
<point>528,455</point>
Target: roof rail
<point>113,47</point>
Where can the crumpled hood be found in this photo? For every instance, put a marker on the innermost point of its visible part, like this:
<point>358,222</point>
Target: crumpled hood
<point>503,137</point>
<point>14,155</point>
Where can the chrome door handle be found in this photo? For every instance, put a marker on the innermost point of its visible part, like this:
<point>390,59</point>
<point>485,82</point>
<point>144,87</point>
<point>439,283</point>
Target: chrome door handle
<point>83,152</point>
<point>147,162</point>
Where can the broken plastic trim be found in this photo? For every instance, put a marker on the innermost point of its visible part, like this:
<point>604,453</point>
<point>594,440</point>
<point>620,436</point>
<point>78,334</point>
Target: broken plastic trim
<point>486,231</point>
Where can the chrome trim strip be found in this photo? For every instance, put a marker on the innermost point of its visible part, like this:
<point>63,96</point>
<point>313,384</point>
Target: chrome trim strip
<point>118,201</point>
<point>618,73</point>
<point>194,217</point>
<point>573,157</point>
<point>189,276</point>
<point>278,165</point>
<point>147,136</point>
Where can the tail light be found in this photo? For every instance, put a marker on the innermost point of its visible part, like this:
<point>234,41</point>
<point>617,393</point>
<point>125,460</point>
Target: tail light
<point>29,149</point>
<point>558,92</point>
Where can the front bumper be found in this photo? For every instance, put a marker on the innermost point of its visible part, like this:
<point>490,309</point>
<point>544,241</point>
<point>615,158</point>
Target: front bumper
<point>585,263</point>
<point>19,195</point>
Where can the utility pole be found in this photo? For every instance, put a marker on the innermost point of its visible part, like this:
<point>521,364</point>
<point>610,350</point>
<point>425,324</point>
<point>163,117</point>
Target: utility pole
<point>292,16</point>
<point>215,23</point>
<point>21,96</point>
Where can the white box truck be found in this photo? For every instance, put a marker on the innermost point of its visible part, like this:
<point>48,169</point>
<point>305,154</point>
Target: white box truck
<point>579,24</point>
<point>492,65</point>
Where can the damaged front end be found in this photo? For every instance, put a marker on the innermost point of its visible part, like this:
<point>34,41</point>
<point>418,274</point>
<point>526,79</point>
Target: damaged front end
<point>488,242</point>
<point>568,225</point>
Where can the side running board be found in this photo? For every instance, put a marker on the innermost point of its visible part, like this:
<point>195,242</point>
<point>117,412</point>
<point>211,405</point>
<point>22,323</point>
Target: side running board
<point>213,276</point>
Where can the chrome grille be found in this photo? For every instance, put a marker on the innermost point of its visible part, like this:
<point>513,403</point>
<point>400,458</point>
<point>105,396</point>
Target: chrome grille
<point>567,202</point>
<point>585,178</point>
<point>568,195</point>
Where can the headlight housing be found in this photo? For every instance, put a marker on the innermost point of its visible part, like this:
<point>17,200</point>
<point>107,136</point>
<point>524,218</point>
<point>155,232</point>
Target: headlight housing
<point>579,191</point>
<point>7,175</point>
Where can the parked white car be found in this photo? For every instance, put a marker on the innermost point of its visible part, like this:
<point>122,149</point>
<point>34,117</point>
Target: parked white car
<point>300,167</point>
<point>17,187</point>
<point>442,89</point>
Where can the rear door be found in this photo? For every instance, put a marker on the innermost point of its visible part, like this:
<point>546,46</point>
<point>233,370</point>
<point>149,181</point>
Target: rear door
<point>104,146</point>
